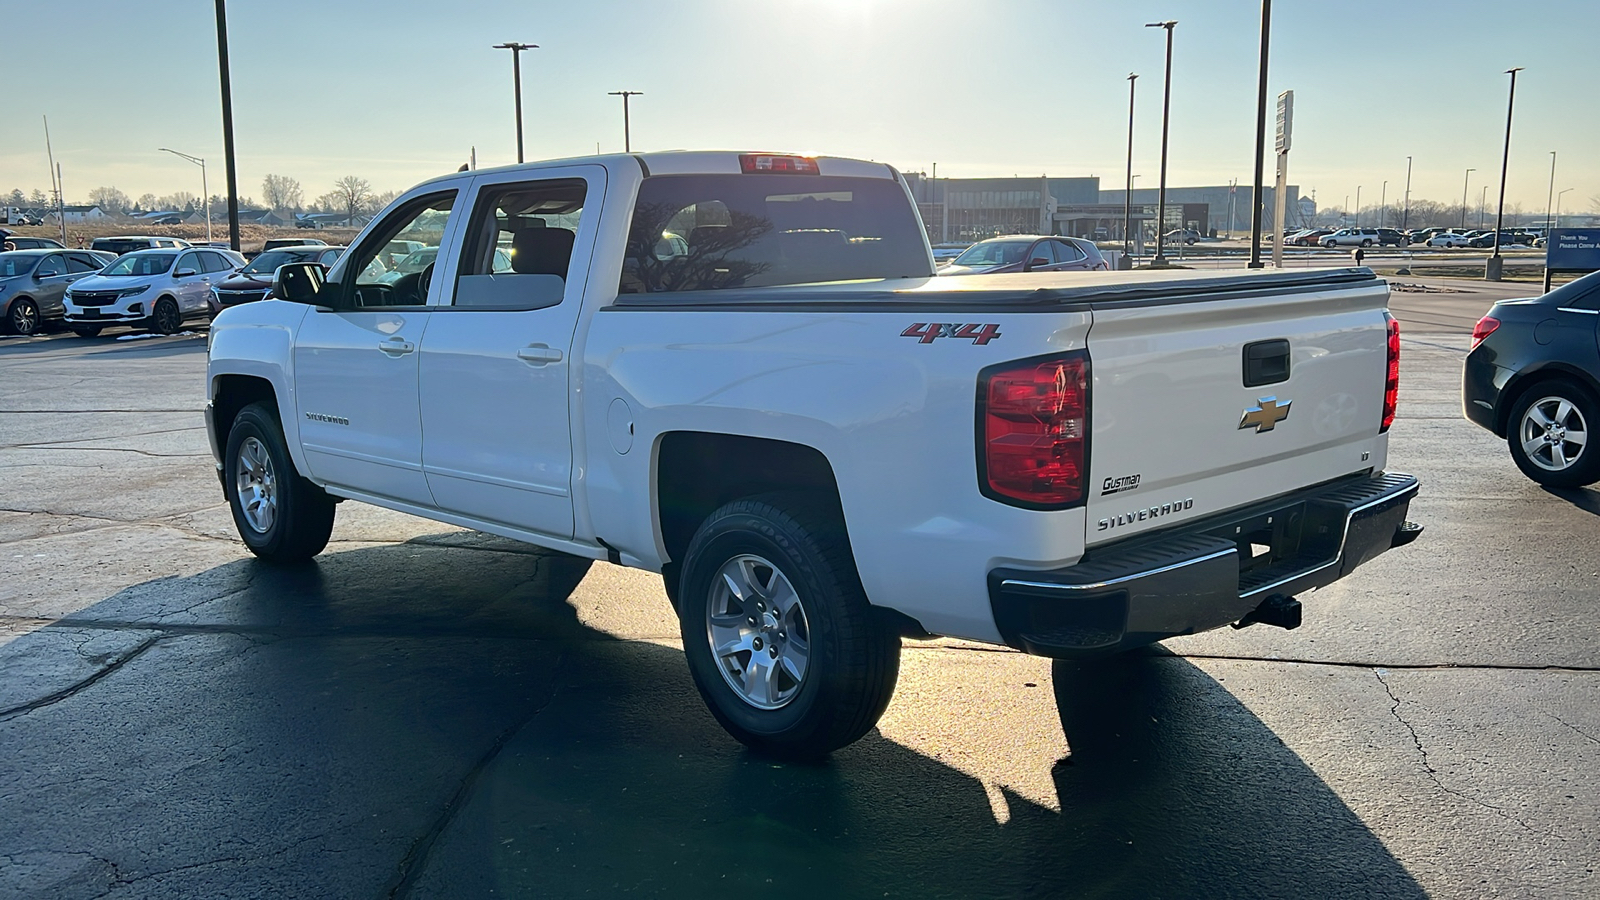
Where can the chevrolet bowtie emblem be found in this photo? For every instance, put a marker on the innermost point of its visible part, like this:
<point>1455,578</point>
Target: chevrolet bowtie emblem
<point>1266,416</point>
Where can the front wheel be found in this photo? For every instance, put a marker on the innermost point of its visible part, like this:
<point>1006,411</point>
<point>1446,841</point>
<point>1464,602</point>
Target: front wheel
<point>23,317</point>
<point>281,516</point>
<point>1551,424</point>
<point>780,639</point>
<point>1366,243</point>
<point>166,318</point>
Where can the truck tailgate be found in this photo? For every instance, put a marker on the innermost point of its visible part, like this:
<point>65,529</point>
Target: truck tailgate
<point>1209,403</point>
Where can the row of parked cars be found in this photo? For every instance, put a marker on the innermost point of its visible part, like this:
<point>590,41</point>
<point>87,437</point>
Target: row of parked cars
<point>159,284</point>
<point>1394,237</point>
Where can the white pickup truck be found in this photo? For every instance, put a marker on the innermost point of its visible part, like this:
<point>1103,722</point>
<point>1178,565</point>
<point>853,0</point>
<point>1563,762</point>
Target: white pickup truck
<point>738,370</point>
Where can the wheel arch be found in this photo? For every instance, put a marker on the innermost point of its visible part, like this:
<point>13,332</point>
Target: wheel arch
<point>231,393</point>
<point>1551,370</point>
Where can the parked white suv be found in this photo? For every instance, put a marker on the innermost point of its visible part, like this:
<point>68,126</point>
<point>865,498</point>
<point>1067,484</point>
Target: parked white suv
<point>1351,237</point>
<point>154,289</point>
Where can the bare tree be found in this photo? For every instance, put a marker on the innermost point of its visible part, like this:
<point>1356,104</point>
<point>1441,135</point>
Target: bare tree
<point>179,200</point>
<point>353,192</point>
<point>109,199</point>
<point>282,192</point>
<point>147,202</point>
<point>38,198</point>
<point>17,198</point>
<point>377,202</point>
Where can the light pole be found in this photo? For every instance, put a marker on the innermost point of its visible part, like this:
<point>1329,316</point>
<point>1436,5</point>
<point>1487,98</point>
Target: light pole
<point>1358,206</point>
<point>205,192</point>
<point>1483,205</point>
<point>1464,181</point>
<point>1383,198</point>
<point>1496,264</point>
<point>1405,214</point>
<point>1558,210</point>
<point>516,77</point>
<point>1261,152</point>
<point>627,140</point>
<point>227,126</point>
<point>1548,198</point>
<point>1166,110</point>
<point>1127,195</point>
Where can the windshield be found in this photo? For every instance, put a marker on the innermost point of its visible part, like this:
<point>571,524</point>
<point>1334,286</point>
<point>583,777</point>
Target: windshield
<point>994,253</point>
<point>141,264</point>
<point>14,264</point>
<point>268,262</point>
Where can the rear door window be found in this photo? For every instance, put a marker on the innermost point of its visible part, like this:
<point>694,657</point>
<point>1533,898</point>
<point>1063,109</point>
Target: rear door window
<point>715,232</point>
<point>1068,252</point>
<point>82,262</point>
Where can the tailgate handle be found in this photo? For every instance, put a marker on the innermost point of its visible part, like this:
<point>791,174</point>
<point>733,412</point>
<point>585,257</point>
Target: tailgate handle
<point>1266,362</point>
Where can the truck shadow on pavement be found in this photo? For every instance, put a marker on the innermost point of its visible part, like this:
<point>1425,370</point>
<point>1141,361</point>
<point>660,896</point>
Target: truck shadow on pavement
<point>432,719</point>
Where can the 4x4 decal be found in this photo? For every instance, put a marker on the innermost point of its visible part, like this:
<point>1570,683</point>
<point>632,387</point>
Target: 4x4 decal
<point>927,332</point>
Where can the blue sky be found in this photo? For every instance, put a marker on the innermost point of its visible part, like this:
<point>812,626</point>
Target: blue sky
<point>398,91</point>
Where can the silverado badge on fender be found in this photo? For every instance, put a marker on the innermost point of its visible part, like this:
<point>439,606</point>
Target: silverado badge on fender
<point>928,333</point>
<point>1266,415</point>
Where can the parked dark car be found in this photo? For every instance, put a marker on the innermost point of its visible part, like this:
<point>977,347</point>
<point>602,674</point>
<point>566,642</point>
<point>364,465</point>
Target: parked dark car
<point>1507,238</point>
<point>1027,253</point>
<point>1392,237</point>
<point>32,283</point>
<point>252,282</point>
<point>123,245</point>
<point>18,242</point>
<point>1533,378</point>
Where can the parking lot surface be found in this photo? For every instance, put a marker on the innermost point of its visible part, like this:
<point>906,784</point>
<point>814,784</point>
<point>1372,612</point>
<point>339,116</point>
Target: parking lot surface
<point>431,712</point>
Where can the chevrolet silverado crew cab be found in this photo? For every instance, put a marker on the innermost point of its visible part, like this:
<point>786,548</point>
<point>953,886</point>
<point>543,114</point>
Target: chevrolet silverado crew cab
<point>739,370</point>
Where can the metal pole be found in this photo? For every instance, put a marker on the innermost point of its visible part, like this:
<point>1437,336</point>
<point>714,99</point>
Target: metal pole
<point>227,125</point>
<point>1551,196</point>
<point>206,189</point>
<point>627,138</point>
<point>516,49</point>
<point>1405,216</point>
<point>1466,179</point>
<point>1383,200</point>
<point>1483,205</point>
<point>1358,206</point>
<point>1166,119</point>
<point>1127,195</point>
<point>61,204</point>
<point>1558,212</point>
<point>1261,145</point>
<point>1495,265</point>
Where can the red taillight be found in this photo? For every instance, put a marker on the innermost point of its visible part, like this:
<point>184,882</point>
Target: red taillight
<point>1391,382</point>
<point>1033,418</point>
<point>1483,329</point>
<point>761,163</point>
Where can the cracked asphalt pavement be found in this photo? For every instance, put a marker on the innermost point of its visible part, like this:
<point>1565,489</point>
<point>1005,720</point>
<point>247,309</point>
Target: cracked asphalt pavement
<point>431,712</point>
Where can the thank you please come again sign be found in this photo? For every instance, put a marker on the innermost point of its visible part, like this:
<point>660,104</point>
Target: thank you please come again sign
<point>1576,249</point>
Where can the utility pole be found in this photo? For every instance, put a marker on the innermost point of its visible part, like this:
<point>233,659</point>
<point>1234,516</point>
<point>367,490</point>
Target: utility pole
<point>516,79</point>
<point>1496,263</point>
<point>1405,216</point>
<point>227,126</point>
<point>1160,260</point>
<point>1467,179</point>
<point>55,183</point>
<point>627,139</point>
<point>1127,194</point>
<point>1261,148</point>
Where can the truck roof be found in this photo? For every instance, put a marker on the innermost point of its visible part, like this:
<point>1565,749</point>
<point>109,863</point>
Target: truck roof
<point>696,162</point>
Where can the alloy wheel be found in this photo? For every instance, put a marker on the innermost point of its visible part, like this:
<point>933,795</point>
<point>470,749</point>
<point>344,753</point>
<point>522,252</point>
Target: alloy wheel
<point>257,485</point>
<point>760,635</point>
<point>1553,433</point>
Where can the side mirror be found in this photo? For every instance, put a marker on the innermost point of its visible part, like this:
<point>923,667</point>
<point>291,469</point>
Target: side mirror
<point>297,282</point>
<point>185,273</point>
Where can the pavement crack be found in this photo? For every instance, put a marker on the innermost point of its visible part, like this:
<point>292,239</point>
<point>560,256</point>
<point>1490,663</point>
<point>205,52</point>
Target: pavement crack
<point>413,863</point>
<point>83,683</point>
<point>1427,765</point>
<point>1574,727</point>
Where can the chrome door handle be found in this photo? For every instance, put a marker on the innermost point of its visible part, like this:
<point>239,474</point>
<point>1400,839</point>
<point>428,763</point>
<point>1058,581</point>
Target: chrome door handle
<point>396,347</point>
<point>539,355</point>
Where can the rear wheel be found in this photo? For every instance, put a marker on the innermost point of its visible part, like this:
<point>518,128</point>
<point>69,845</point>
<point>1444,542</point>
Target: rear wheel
<point>780,639</point>
<point>281,516</point>
<point>165,318</point>
<point>1550,435</point>
<point>23,317</point>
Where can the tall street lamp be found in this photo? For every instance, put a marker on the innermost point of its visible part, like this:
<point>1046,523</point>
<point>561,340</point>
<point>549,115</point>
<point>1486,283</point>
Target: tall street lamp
<point>516,77</point>
<point>1127,195</point>
<point>1496,263</point>
<point>1464,181</point>
<point>1166,110</point>
<point>1483,205</point>
<point>1383,209</point>
<point>227,125</point>
<point>1551,195</point>
<point>1405,214</point>
<point>627,140</point>
<point>205,192</point>
<point>1358,206</point>
<point>1261,151</point>
<point>1558,208</point>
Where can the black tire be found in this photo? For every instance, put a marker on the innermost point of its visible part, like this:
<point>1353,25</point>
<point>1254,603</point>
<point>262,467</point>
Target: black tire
<point>165,317</point>
<point>303,513</point>
<point>86,331</point>
<point>1581,470</point>
<point>23,317</point>
<point>1366,243</point>
<point>853,657</point>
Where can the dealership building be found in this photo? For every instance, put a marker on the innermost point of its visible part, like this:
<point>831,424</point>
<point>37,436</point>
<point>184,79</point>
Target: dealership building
<point>962,210</point>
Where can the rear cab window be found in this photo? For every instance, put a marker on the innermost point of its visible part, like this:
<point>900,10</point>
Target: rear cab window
<point>715,232</point>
